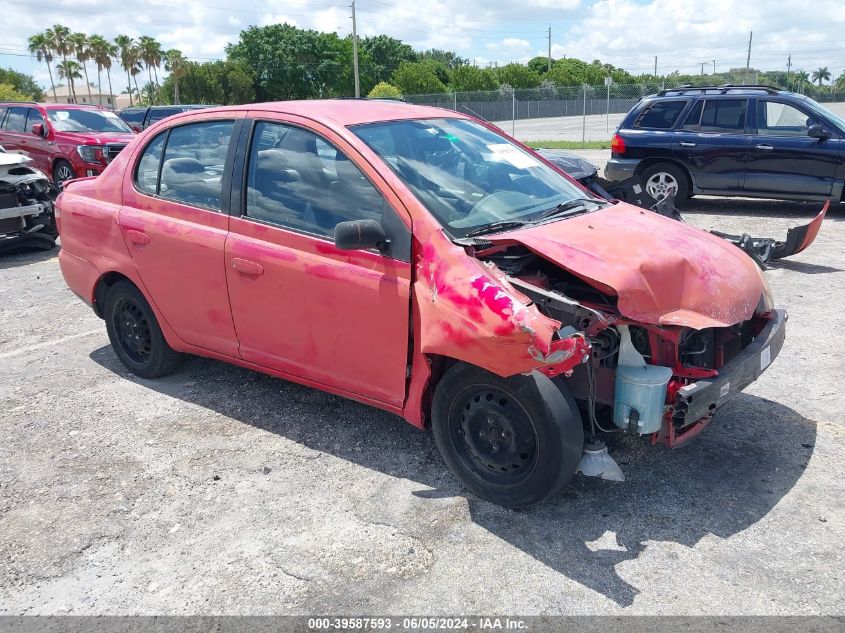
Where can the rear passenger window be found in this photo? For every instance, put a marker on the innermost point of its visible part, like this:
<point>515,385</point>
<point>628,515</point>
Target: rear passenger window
<point>723,115</point>
<point>298,180</point>
<point>16,120</point>
<point>660,115</point>
<point>192,166</point>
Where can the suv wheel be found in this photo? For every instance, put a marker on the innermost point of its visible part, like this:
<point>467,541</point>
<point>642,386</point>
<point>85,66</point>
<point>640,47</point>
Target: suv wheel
<point>513,441</point>
<point>661,178</point>
<point>63,171</point>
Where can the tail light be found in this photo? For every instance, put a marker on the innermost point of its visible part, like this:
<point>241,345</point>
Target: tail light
<point>617,144</point>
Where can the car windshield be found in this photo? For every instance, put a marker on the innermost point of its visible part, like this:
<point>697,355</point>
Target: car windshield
<point>468,176</point>
<point>82,120</point>
<point>827,113</point>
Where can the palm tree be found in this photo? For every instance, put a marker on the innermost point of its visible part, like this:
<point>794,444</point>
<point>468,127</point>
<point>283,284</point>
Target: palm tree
<point>822,74</point>
<point>40,46</point>
<point>151,54</point>
<point>126,44</point>
<point>69,70</point>
<point>135,67</point>
<point>79,44</point>
<point>801,77</point>
<point>59,37</point>
<point>100,50</point>
<point>175,64</point>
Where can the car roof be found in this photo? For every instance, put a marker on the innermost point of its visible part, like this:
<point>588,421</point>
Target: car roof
<point>51,106</point>
<point>348,111</point>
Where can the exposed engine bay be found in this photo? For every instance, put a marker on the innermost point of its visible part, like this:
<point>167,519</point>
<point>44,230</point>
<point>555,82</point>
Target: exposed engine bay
<point>27,215</point>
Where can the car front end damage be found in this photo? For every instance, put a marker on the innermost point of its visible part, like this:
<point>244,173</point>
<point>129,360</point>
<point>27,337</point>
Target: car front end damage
<point>567,297</point>
<point>27,218</point>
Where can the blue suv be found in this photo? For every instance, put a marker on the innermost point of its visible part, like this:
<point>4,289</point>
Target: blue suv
<point>754,141</point>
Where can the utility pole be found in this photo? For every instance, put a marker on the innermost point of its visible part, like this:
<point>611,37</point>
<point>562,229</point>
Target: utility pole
<point>702,68</point>
<point>655,65</point>
<point>355,53</point>
<point>788,68</point>
<point>550,47</point>
<point>748,59</point>
<point>714,66</point>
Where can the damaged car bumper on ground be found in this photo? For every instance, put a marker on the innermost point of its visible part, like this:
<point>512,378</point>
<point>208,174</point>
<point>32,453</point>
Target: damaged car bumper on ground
<point>27,218</point>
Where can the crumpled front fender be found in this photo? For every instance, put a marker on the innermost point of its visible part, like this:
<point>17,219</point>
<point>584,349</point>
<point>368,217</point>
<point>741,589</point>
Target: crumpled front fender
<point>469,311</point>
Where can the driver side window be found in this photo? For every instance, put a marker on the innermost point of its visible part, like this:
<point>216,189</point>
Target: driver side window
<point>781,119</point>
<point>298,180</point>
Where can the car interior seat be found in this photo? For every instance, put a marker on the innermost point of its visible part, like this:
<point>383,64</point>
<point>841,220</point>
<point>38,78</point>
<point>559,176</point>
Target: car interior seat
<point>184,179</point>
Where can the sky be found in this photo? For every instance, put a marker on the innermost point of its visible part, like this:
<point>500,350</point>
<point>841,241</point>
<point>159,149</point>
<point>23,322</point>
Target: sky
<point>627,33</point>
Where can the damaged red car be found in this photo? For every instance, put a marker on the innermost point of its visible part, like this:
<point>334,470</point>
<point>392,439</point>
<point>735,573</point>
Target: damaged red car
<point>419,261</point>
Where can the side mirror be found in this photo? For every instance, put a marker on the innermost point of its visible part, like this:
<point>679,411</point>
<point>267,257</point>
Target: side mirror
<point>38,129</point>
<point>817,131</point>
<point>360,234</point>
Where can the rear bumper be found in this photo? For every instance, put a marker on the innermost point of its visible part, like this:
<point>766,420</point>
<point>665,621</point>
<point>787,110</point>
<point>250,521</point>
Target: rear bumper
<point>700,399</point>
<point>80,275</point>
<point>620,168</point>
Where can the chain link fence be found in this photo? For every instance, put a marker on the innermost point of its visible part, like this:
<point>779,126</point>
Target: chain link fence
<point>549,101</point>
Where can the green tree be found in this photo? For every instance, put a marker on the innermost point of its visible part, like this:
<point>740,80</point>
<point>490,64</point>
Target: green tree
<point>518,76</point>
<point>102,52</point>
<point>9,93</point>
<point>40,46</point>
<point>384,90</point>
<point>447,59</point>
<point>540,64</point>
<point>69,70</point>
<point>385,53</point>
<point>822,74</point>
<point>219,82</point>
<point>126,46</point>
<point>174,63</point>
<point>467,78</point>
<point>79,45</point>
<point>24,84</point>
<point>293,63</point>
<point>414,78</point>
<point>59,37</point>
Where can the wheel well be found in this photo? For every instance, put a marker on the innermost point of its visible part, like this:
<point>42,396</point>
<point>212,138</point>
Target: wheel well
<point>439,366</point>
<point>101,288</point>
<point>57,160</point>
<point>648,162</point>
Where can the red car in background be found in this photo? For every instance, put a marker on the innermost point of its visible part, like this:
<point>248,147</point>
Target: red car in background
<point>64,141</point>
<point>420,261</point>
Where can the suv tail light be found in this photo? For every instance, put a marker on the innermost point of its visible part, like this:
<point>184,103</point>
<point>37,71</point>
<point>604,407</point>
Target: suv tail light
<point>617,144</point>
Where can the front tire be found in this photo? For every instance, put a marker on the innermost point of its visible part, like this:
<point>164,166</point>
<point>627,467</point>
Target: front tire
<point>135,334</point>
<point>661,178</point>
<point>513,441</point>
<point>62,172</point>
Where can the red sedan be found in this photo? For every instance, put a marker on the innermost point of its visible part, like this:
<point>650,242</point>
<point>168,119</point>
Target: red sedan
<point>422,262</point>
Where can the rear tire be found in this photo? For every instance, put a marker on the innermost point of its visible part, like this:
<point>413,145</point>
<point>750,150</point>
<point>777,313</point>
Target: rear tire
<point>659,178</point>
<point>135,334</point>
<point>513,441</point>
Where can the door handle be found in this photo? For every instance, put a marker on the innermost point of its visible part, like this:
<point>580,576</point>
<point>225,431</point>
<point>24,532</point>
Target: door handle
<point>137,237</point>
<point>766,147</point>
<point>686,144</point>
<point>247,267</point>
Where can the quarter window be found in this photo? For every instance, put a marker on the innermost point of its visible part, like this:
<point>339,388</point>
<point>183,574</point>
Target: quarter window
<point>723,116</point>
<point>660,115</point>
<point>298,180</point>
<point>780,119</point>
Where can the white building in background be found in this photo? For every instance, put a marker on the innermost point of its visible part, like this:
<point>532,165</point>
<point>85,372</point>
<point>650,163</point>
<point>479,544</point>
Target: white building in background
<point>63,95</point>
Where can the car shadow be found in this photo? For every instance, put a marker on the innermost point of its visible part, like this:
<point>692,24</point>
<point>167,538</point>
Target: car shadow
<point>16,256</point>
<point>724,481</point>
<point>802,267</point>
<point>753,206</point>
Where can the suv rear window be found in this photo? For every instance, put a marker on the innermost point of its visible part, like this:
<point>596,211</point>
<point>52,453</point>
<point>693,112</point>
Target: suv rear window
<point>660,115</point>
<point>718,115</point>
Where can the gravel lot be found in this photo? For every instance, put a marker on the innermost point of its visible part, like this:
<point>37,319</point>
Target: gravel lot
<point>219,490</point>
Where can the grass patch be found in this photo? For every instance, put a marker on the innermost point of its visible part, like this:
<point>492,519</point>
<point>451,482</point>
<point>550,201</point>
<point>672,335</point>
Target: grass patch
<point>569,144</point>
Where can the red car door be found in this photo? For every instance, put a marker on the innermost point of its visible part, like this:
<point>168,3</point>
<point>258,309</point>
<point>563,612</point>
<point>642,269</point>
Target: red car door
<point>300,305</point>
<point>174,223</point>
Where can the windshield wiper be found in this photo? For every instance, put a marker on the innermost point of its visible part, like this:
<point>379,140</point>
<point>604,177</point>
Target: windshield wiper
<point>496,226</point>
<point>566,207</point>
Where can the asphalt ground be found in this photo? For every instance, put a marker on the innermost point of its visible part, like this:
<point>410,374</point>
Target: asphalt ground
<point>217,490</point>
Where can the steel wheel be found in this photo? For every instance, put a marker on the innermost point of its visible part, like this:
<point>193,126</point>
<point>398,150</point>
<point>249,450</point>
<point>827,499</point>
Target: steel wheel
<point>133,330</point>
<point>496,438</point>
<point>660,184</point>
